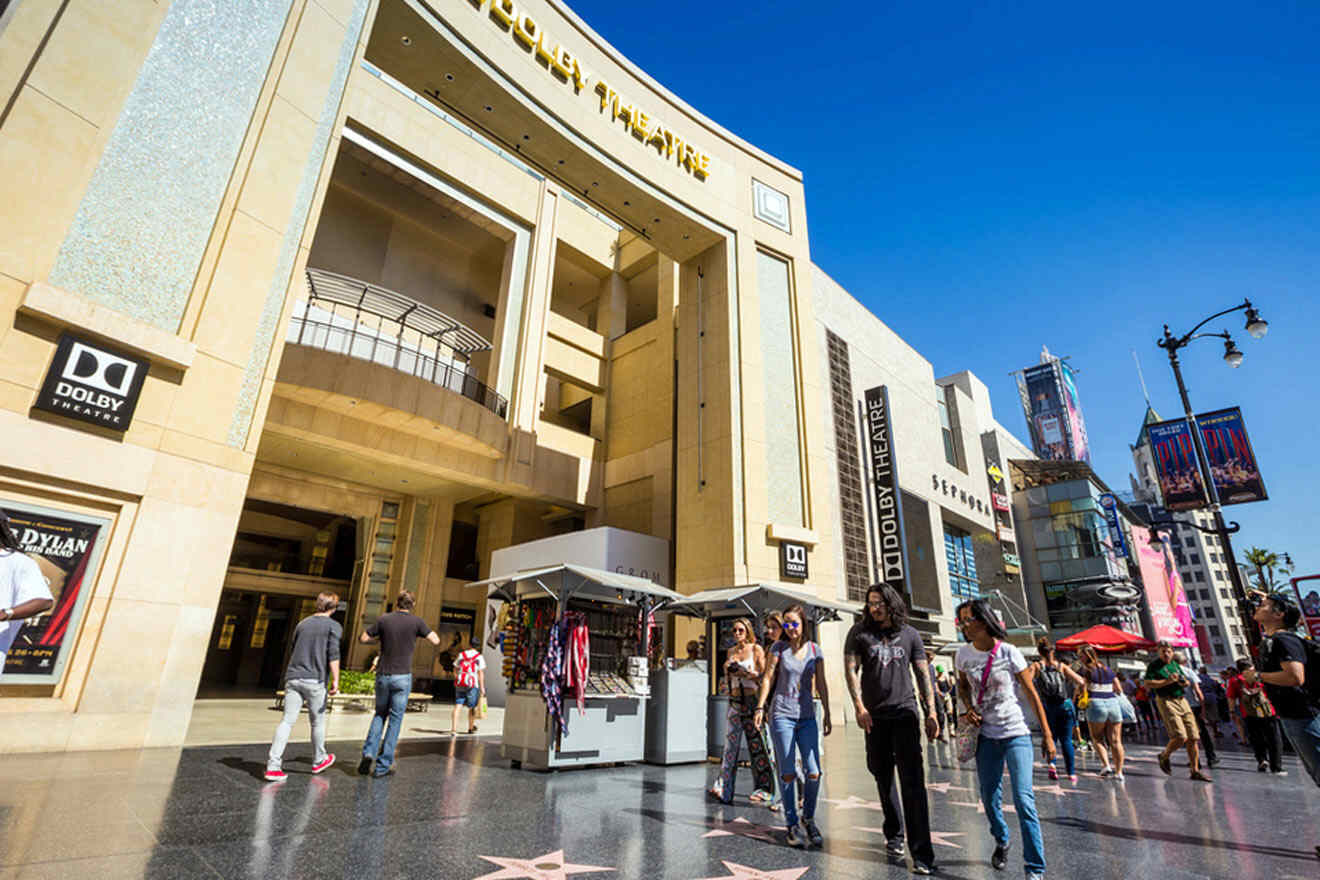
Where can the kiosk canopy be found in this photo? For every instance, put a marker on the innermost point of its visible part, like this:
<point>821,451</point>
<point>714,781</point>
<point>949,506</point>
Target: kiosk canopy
<point>580,580</point>
<point>758,599</point>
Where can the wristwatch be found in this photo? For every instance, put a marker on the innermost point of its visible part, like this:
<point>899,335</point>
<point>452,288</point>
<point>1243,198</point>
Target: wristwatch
<point>9,614</point>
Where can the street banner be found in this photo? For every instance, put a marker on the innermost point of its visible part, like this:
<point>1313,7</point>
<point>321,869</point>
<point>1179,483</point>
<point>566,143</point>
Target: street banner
<point>1174,452</point>
<point>1308,598</point>
<point>1109,504</point>
<point>884,480</point>
<point>1228,452</point>
<point>1170,612</point>
<point>67,548</point>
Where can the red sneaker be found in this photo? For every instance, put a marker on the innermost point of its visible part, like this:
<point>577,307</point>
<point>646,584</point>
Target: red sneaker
<point>324,765</point>
<point>276,776</point>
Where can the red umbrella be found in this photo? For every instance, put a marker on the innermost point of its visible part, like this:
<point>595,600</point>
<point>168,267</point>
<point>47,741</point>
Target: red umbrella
<point>1105,639</point>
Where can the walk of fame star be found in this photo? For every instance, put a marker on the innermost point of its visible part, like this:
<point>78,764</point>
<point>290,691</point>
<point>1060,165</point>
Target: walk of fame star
<point>742,828</point>
<point>550,866</point>
<point>939,838</point>
<point>945,787</point>
<point>1059,790</point>
<point>854,803</point>
<point>980,807</point>
<point>742,872</point>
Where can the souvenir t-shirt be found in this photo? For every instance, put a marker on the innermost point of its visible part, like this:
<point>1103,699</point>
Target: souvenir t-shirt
<point>20,581</point>
<point>1275,650</point>
<point>1159,670</point>
<point>886,657</point>
<point>398,632</point>
<point>795,676</point>
<point>1001,715</point>
<point>469,663</point>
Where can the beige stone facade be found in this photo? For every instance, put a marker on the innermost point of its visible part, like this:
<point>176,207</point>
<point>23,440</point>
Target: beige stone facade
<point>641,277</point>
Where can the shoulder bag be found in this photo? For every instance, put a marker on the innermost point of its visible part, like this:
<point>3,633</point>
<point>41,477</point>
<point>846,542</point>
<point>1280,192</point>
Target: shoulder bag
<point>969,733</point>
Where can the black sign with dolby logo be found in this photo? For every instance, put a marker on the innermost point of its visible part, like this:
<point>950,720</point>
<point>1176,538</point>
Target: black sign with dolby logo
<point>792,560</point>
<point>92,383</point>
<point>884,479</point>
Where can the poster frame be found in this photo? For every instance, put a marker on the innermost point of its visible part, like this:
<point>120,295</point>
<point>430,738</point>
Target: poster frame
<point>19,509</point>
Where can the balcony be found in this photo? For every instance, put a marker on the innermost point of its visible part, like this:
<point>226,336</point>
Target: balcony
<point>362,320</point>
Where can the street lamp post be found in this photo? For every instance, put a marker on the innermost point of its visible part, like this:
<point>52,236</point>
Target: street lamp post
<point>1257,327</point>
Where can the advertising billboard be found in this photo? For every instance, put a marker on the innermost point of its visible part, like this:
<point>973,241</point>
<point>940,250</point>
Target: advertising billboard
<point>1054,412</point>
<point>67,547</point>
<point>1175,464</point>
<point>1228,452</point>
<point>1072,407</point>
<point>1170,613</point>
<point>1308,599</point>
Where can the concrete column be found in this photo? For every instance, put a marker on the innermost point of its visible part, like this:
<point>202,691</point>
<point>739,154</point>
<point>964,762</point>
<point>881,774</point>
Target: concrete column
<point>612,306</point>
<point>525,401</point>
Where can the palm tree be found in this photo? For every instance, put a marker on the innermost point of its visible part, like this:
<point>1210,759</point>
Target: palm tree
<point>1267,564</point>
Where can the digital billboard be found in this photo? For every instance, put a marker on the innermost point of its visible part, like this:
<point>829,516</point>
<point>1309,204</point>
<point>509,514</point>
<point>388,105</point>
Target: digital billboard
<point>1054,412</point>
<point>1170,613</point>
<point>1228,452</point>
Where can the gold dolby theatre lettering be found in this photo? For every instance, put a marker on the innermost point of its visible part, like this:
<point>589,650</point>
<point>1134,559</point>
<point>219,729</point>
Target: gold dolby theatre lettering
<point>565,67</point>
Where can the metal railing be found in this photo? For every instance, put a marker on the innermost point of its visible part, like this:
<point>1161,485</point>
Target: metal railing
<point>316,326</point>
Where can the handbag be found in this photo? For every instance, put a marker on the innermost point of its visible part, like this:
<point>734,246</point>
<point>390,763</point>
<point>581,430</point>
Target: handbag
<point>481,707</point>
<point>969,734</point>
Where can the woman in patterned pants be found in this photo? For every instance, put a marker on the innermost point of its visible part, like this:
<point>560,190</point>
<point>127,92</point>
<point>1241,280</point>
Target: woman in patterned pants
<point>743,668</point>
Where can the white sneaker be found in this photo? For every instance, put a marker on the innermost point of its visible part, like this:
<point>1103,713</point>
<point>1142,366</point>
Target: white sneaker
<point>1031,875</point>
<point>1118,777</point>
<point>1278,772</point>
<point>1106,772</point>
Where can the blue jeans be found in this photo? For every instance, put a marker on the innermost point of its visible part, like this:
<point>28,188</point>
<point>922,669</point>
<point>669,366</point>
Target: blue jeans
<point>391,702</point>
<point>1016,751</point>
<point>800,734</point>
<point>1304,735</point>
<point>1063,718</point>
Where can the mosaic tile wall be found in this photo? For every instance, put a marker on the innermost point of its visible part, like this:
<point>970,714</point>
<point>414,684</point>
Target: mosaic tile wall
<point>851,508</point>
<point>142,227</point>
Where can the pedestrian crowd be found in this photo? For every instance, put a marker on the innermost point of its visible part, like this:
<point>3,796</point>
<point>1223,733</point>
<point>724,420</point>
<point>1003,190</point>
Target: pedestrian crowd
<point>901,701</point>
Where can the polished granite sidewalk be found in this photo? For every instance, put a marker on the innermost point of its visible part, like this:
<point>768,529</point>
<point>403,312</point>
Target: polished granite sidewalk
<point>455,809</point>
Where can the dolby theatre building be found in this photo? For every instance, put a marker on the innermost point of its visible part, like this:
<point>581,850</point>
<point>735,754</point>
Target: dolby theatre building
<point>300,295</point>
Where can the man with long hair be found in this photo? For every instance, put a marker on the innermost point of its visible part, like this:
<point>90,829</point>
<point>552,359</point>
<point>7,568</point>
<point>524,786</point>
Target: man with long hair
<point>23,590</point>
<point>881,654</point>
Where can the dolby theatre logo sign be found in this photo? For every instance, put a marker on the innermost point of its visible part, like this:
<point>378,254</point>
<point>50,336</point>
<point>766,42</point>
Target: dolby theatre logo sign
<point>92,383</point>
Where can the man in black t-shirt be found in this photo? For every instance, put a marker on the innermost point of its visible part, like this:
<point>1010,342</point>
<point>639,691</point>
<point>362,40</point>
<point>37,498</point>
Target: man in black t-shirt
<point>398,632</point>
<point>880,655</point>
<point>1283,670</point>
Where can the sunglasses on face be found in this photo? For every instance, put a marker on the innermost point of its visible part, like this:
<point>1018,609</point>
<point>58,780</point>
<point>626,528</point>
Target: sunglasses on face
<point>791,624</point>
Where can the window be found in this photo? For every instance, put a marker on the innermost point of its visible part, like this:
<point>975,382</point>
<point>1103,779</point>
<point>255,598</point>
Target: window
<point>946,428</point>
<point>1189,541</point>
<point>1214,557</point>
<point>962,564</point>
<point>1214,630</point>
<point>1194,559</point>
<point>1224,593</point>
<point>1198,575</point>
<point>1219,648</point>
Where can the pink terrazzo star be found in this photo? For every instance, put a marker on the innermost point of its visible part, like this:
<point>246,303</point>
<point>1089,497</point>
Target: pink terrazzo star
<point>1057,789</point>
<point>980,807</point>
<point>550,866</point>
<point>742,872</point>
<point>742,828</point>
<point>854,803</point>
<point>945,787</point>
<point>939,838</point>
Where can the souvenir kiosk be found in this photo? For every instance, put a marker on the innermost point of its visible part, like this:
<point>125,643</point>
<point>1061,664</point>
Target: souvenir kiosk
<point>720,608</point>
<point>576,647</point>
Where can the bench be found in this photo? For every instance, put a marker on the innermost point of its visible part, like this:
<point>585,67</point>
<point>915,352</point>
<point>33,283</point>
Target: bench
<point>366,702</point>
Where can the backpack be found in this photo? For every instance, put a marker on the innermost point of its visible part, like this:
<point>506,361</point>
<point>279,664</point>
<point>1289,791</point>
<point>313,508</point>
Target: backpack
<point>466,668</point>
<point>1053,687</point>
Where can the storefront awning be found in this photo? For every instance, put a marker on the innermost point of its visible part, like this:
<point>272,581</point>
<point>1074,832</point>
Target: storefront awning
<point>563,580</point>
<point>756,599</point>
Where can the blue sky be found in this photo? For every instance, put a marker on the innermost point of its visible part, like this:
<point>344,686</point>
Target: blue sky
<point>988,178</point>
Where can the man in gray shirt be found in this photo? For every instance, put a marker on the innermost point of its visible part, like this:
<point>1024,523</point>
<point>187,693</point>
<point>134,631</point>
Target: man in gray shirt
<point>313,662</point>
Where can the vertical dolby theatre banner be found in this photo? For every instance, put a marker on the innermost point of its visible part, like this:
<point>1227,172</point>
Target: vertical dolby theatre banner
<point>888,501</point>
<point>67,547</point>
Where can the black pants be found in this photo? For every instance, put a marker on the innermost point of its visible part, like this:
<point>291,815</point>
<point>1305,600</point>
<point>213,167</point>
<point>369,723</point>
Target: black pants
<point>1207,741</point>
<point>895,741</point>
<point>1265,741</point>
